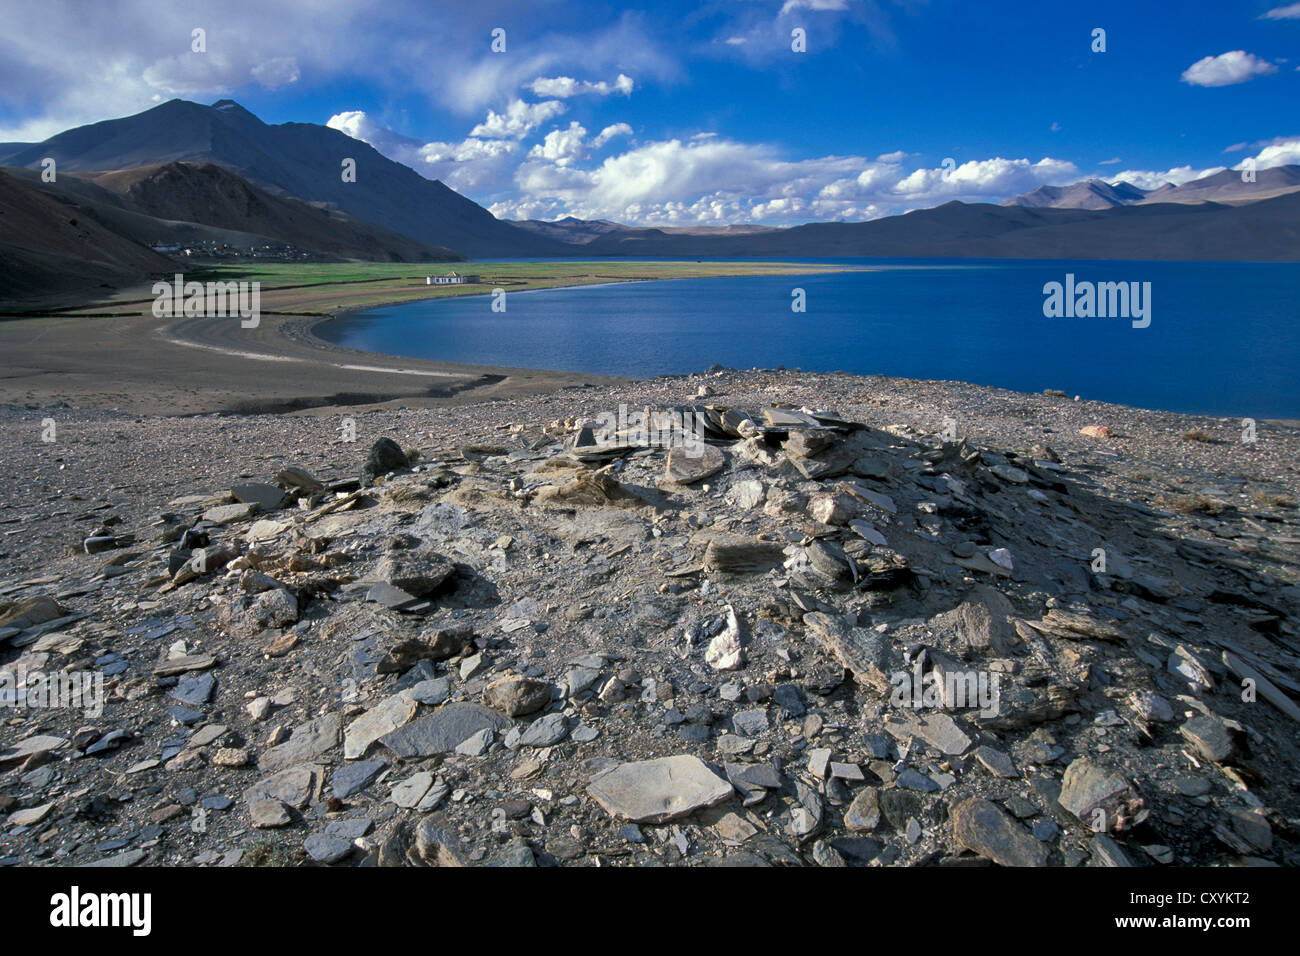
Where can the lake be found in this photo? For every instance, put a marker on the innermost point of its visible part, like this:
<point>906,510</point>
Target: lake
<point>1222,338</point>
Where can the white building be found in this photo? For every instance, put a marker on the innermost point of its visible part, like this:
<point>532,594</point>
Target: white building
<point>450,278</point>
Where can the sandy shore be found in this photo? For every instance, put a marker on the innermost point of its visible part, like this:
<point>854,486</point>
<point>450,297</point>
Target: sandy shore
<point>119,356</point>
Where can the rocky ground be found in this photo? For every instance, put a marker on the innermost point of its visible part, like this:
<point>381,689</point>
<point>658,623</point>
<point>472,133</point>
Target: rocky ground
<point>489,635</point>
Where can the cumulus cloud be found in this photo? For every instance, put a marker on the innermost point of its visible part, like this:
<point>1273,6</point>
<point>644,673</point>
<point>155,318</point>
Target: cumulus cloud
<point>609,132</point>
<point>1291,12</point>
<point>1279,152</point>
<point>471,164</point>
<point>566,86</point>
<point>714,180</point>
<point>1148,179</point>
<point>518,120</point>
<point>562,146</point>
<point>1236,66</point>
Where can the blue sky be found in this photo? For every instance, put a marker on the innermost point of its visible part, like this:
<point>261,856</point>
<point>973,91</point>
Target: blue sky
<point>686,113</point>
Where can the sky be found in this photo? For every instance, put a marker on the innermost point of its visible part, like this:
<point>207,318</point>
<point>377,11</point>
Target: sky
<point>713,113</point>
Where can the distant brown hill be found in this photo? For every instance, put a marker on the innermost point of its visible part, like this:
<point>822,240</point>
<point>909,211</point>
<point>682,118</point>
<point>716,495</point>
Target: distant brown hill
<point>208,194</point>
<point>50,241</point>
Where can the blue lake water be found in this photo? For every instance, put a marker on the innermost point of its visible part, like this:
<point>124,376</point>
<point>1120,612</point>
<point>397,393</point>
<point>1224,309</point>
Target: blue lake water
<point>1223,339</point>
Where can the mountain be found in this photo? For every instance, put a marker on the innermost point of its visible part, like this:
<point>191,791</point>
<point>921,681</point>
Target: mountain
<point>1265,231</point>
<point>48,241</point>
<point>1090,194</point>
<point>299,160</point>
<point>1226,186</point>
<point>212,196</point>
<point>573,230</point>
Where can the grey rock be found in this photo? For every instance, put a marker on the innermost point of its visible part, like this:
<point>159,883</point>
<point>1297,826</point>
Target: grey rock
<point>293,786</point>
<point>195,690</point>
<point>864,812</point>
<point>431,693</point>
<point>266,497</point>
<point>268,814</point>
<point>355,777</point>
<point>1209,736</point>
<point>441,731</point>
<point>417,573</point>
<point>307,743</point>
<point>326,849</point>
<point>685,467</point>
<point>656,791</point>
<point>911,779</point>
<point>516,696</point>
<point>751,723</point>
<point>1088,787</point>
<point>385,457</point>
<point>985,828</point>
<point>545,731</point>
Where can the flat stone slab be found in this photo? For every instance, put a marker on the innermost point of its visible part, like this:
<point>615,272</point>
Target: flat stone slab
<point>383,718</point>
<point>293,787</point>
<point>442,730</point>
<point>181,665</point>
<point>225,514</point>
<point>41,743</point>
<point>985,828</point>
<point>936,729</point>
<point>687,467</point>
<point>310,741</point>
<point>195,690</point>
<point>545,731</point>
<point>355,777</point>
<point>266,497</point>
<point>655,791</point>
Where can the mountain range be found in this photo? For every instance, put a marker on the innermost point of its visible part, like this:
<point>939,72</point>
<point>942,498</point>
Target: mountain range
<point>183,173</point>
<point>1225,186</point>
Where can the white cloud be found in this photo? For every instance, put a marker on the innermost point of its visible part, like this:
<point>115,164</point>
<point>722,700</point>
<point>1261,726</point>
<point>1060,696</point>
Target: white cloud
<point>1279,152</point>
<point>609,132</point>
<point>895,157</point>
<point>1148,180</point>
<point>713,180</point>
<point>276,72</point>
<point>1236,66</point>
<point>792,5</point>
<point>471,164</point>
<point>1291,12</point>
<point>518,120</point>
<point>566,86</point>
<point>562,146</point>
